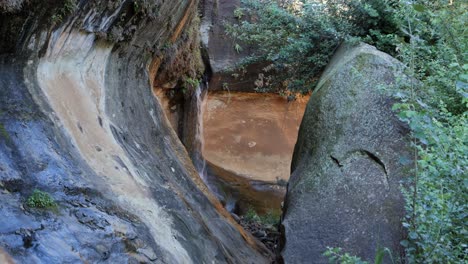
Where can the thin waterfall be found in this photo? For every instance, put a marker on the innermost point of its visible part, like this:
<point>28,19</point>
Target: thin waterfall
<point>198,103</point>
<point>199,161</point>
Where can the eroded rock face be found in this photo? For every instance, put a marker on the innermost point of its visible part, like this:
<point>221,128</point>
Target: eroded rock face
<point>252,134</point>
<point>344,190</point>
<point>79,120</point>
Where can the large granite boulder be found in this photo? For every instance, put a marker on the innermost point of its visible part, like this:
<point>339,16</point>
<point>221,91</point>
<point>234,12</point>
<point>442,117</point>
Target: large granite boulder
<point>344,190</point>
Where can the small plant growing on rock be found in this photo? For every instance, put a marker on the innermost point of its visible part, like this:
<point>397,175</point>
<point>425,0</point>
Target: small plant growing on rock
<point>238,13</point>
<point>189,83</point>
<point>270,218</point>
<point>251,215</point>
<point>69,6</point>
<point>336,255</point>
<point>263,227</point>
<point>40,199</point>
<point>3,132</point>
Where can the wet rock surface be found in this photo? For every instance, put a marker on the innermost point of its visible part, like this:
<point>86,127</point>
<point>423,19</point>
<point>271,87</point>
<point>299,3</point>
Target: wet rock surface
<point>344,190</point>
<point>79,121</point>
<point>238,194</point>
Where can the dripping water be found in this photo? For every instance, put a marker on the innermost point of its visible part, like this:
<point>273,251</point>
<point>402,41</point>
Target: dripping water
<point>199,161</point>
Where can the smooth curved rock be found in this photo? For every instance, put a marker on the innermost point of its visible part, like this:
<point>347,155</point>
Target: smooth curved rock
<point>79,120</point>
<point>344,190</point>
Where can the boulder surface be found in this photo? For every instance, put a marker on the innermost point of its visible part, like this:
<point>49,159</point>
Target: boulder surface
<point>344,190</point>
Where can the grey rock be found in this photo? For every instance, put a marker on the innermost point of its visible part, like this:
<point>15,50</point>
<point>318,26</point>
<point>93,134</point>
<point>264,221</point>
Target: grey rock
<point>220,50</point>
<point>344,190</point>
<point>91,219</point>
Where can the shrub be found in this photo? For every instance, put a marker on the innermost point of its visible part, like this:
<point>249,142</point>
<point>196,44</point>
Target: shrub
<point>251,215</point>
<point>435,109</point>
<point>270,218</point>
<point>11,5</point>
<point>40,199</point>
<point>336,255</point>
<point>3,132</point>
<point>299,37</point>
<point>68,7</point>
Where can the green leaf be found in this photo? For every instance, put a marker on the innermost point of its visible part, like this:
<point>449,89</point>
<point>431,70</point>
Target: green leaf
<point>404,243</point>
<point>419,7</point>
<point>379,256</point>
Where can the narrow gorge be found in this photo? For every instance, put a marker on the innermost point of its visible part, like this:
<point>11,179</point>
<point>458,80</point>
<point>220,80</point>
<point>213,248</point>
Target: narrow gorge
<point>129,116</point>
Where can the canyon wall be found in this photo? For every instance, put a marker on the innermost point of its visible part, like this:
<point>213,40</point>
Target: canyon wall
<point>249,140</point>
<point>79,120</point>
<point>252,134</point>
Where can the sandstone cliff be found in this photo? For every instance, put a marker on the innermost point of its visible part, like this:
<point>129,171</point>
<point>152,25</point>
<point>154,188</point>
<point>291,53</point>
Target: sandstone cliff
<point>79,120</point>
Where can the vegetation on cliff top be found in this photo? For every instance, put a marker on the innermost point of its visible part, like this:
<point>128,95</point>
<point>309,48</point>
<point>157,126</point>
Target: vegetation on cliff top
<point>299,37</point>
<point>430,38</point>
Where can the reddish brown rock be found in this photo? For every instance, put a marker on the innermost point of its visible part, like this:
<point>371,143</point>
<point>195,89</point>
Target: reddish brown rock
<point>252,134</point>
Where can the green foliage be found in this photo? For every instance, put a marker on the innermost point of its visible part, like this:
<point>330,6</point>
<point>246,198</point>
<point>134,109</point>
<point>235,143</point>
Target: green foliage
<point>440,233</point>
<point>435,108</point>
<point>299,37</point>
<point>336,255</point>
<point>189,84</point>
<point>56,18</point>
<point>437,197</point>
<point>136,6</point>
<point>40,199</point>
<point>238,48</point>
<point>3,133</point>
<point>251,215</point>
<point>271,218</point>
<point>238,13</point>
<point>68,7</point>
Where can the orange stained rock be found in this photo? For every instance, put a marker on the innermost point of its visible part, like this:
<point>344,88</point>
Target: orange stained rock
<point>5,258</point>
<point>252,134</point>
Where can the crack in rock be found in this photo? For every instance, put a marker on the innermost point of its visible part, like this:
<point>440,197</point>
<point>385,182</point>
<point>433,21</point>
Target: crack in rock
<point>341,162</point>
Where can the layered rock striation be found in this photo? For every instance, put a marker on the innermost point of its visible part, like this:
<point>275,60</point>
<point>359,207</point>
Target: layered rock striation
<point>79,121</point>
